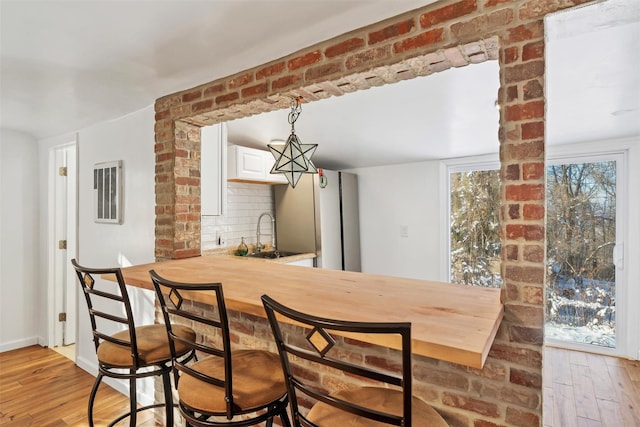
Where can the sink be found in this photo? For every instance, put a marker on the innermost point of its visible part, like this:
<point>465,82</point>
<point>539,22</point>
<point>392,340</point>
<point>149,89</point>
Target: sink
<point>272,254</point>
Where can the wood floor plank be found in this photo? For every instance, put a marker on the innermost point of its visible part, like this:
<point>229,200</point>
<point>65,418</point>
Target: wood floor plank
<point>586,422</point>
<point>564,408</point>
<point>604,388</point>
<point>39,387</point>
<point>583,392</point>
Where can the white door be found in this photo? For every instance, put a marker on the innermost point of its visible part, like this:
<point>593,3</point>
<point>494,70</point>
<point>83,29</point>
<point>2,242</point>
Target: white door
<point>585,286</point>
<point>64,245</point>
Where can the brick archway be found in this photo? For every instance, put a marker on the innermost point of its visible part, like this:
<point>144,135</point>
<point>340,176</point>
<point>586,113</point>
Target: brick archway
<point>431,39</point>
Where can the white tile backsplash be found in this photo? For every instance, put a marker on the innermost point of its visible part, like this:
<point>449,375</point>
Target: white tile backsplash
<point>245,203</point>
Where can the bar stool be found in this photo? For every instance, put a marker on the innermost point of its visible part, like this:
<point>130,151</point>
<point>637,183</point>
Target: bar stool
<point>386,401</point>
<point>131,353</point>
<point>224,388</point>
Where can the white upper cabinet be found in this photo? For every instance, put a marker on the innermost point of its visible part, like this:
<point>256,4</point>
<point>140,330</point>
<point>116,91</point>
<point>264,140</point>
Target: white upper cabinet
<point>251,165</point>
<point>213,182</point>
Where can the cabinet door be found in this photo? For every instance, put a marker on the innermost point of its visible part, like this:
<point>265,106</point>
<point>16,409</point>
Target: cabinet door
<point>250,163</point>
<point>268,164</point>
<point>213,169</point>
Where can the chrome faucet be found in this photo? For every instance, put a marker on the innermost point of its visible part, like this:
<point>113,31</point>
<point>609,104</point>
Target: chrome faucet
<point>260,246</point>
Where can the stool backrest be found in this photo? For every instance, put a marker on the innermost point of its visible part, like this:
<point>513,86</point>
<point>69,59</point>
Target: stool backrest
<point>109,307</point>
<point>177,309</point>
<point>314,342</point>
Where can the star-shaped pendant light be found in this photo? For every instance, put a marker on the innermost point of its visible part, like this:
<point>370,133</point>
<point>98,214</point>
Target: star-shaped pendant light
<point>293,158</point>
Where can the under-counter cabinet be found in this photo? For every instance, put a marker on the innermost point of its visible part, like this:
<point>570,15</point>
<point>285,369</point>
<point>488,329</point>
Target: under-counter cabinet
<point>251,165</point>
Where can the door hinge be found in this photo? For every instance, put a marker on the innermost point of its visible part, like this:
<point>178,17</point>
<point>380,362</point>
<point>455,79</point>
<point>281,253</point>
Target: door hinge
<point>62,317</point>
<point>62,171</point>
<point>62,244</point>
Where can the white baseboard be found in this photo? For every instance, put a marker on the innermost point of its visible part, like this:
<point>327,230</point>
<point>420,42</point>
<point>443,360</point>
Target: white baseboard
<point>12,345</point>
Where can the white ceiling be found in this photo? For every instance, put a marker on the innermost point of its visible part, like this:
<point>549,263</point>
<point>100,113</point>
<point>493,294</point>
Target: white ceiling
<point>66,65</point>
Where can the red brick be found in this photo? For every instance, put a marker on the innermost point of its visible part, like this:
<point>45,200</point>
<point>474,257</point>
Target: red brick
<point>470,404</point>
<point>521,356</point>
<point>533,50</point>
<point>523,72</point>
<point>421,40</point>
<point>513,292</point>
<point>528,111</point>
<point>212,90</point>
<point>206,105</point>
<point>524,315</point>
<point>533,294</point>
<point>512,172</point>
<point>482,24</point>
<point>394,30</point>
<point>522,33</point>
<point>533,211</point>
<point>286,81</point>
<point>323,71</point>
<point>512,93</point>
<point>528,232</point>
<point>367,57</point>
<point>532,90</point>
<point>527,274</point>
<point>447,13</point>
<point>525,151</point>
<point>240,80</point>
<point>191,96</point>
<point>344,47</point>
<point>532,171</point>
<point>483,423</point>
<point>532,130</point>
<point>227,97</point>
<point>437,376</point>
<point>512,252</point>
<point>514,211</point>
<point>525,378</point>
<point>521,418</point>
<point>162,115</point>
<point>270,70</point>
<point>511,54</point>
<point>258,89</point>
<point>304,60</point>
<point>537,9</point>
<point>493,3</point>
<point>525,192</point>
<point>526,335</point>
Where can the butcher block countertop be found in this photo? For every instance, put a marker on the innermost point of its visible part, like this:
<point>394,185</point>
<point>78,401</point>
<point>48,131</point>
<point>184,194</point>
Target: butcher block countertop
<point>455,323</point>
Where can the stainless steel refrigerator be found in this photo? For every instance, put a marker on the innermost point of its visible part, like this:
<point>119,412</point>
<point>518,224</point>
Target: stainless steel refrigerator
<point>322,218</point>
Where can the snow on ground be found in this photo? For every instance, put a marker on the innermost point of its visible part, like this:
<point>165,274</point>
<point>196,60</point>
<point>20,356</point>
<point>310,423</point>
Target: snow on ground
<point>601,335</point>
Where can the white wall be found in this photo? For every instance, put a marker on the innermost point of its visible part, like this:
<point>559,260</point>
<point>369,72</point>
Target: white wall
<point>19,233</point>
<point>393,198</point>
<point>130,139</point>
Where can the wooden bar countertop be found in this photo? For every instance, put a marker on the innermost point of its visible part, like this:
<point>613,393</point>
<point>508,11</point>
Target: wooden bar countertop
<point>455,323</point>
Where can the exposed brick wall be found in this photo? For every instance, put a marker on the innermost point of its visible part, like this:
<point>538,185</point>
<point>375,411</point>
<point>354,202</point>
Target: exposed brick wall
<point>432,39</point>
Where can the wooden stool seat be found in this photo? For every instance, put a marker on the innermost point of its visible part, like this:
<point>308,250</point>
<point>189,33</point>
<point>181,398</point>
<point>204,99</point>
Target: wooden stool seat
<point>257,381</point>
<point>380,399</point>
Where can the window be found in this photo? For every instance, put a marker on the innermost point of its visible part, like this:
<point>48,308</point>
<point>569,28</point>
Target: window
<point>474,224</point>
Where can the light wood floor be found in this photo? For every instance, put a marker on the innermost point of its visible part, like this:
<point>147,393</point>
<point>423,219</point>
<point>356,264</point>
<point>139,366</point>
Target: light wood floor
<point>39,387</point>
<point>588,390</point>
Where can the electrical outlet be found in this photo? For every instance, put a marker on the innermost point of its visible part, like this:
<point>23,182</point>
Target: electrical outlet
<point>220,240</point>
<point>404,231</point>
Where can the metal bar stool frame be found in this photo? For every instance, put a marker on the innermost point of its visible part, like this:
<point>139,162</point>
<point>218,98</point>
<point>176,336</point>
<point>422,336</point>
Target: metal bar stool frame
<point>137,368</point>
<point>173,309</point>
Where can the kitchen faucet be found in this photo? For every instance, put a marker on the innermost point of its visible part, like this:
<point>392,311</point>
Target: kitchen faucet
<point>260,246</point>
